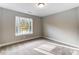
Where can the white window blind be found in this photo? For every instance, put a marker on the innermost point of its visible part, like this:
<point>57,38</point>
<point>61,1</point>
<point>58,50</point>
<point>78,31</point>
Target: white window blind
<point>23,25</point>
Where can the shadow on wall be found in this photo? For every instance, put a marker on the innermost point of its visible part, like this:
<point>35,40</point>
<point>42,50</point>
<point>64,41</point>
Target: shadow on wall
<point>60,35</point>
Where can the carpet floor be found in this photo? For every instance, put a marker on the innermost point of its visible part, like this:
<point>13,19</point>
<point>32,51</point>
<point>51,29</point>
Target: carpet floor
<point>37,47</point>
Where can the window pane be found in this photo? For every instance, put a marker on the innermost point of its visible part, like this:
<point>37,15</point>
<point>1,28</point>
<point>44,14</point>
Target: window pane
<point>23,25</point>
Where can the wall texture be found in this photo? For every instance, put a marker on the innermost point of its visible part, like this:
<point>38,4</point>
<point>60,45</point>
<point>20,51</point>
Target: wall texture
<point>62,27</point>
<point>7,26</point>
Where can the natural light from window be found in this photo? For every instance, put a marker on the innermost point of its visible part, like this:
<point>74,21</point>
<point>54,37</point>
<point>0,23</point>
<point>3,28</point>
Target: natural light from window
<point>23,26</point>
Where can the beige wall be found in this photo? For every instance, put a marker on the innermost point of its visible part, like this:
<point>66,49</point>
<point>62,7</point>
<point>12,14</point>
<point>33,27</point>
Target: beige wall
<point>62,27</point>
<point>78,23</point>
<point>7,26</point>
<point>0,25</point>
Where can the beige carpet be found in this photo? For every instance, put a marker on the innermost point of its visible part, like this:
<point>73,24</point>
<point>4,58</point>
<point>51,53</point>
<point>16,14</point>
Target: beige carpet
<point>37,47</point>
<point>56,49</point>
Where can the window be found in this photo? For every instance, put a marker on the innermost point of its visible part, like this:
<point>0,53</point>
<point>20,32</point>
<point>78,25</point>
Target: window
<point>23,25</point>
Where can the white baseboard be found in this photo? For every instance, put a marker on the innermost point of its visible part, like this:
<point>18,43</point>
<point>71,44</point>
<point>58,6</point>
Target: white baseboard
<point>63,42</point>
<point>1,45</point>
<point>5,44</point>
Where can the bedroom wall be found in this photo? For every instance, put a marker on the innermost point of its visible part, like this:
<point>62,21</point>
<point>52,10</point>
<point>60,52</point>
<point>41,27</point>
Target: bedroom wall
<point>0,26</point>
<point>78,23</point>
<point>7,26</point>
<point>62,27</point>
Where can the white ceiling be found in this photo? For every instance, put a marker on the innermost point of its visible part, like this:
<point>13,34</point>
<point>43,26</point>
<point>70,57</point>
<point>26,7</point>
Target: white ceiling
<point>30,8</point>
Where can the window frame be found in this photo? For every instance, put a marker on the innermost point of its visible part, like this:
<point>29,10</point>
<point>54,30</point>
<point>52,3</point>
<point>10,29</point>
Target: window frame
<point>20,34</point>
